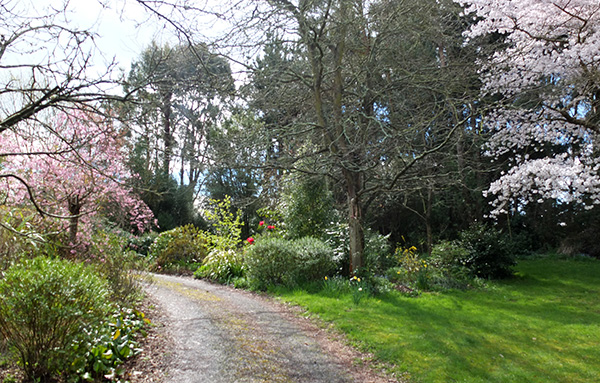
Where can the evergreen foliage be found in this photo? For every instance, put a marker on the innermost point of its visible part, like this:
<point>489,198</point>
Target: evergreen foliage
<point>46,305</point>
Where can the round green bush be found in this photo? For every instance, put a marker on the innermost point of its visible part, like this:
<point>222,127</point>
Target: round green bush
<point>178,247</point>
<point>314,259</point>
<point>45,305</point>
<point>221,266</point>
<point>449,270</point>
<point>276,261</point>
<point>489,252</point>
<point>448,254</point>
<point>270,262</point>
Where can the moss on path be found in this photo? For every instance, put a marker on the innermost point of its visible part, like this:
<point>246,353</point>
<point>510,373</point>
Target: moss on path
<point>222,335</point>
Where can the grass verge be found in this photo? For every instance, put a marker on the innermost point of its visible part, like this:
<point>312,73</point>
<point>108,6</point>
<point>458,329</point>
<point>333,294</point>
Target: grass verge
<point>543,325</point>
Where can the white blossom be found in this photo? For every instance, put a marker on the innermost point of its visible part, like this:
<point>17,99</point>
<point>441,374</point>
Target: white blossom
<point>553,53</point>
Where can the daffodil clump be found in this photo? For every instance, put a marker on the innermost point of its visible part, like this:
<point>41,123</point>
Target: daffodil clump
<point>359,289</point>
<point>412,270</point>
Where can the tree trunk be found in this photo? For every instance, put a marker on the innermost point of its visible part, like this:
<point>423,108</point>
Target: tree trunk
<point>167,131</point>
<point>74,210</point>
<point>428,225</point>
<point>355,221</point>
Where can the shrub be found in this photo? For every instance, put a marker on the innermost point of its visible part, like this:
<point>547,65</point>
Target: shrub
<point>489,253</point>
<point>307,206</point>
<point>449,266</point>
<point>141,244</point>
<point>182,247</point>
<point>221,266</point>
<point>270,262</point>
<point>276,261</point>
<point>115,264</point>
<point>313,261</point>
<point>226,226</point>
<point>378,252</point>
<point>450,255</point>
<point>45,305</point>
<point>413,271</point>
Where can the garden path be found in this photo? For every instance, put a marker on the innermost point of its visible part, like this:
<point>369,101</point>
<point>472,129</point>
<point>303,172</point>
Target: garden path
<point>224,335</point>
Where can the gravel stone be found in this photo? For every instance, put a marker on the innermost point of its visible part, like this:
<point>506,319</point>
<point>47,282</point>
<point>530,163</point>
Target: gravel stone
<point>216,334</point>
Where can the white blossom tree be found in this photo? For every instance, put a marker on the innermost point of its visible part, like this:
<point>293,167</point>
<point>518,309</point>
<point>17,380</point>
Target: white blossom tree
<point>547,73</point>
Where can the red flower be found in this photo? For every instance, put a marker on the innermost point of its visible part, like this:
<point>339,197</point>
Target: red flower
<point>270,227</point>
<point>261,223</point>
<point>250,240</point>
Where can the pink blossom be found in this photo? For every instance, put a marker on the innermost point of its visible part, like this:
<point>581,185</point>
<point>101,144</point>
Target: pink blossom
<point>80,165</point>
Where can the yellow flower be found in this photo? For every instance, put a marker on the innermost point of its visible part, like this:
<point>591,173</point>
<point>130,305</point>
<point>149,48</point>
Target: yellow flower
<point>358,279</point>
<point>325,278</point>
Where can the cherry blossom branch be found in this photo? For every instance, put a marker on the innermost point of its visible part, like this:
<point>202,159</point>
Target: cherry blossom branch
<point>41,211</point>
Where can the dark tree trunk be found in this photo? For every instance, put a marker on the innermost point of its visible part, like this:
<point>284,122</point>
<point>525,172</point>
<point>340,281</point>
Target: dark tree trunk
<point>355,221</point>
<point>74,210</point>
<point>167,131</point>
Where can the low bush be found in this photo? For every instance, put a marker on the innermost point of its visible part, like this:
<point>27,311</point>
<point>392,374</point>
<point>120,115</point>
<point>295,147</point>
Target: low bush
<point>413,271</point>
<point>449,269</point>
<point>45,306</point>
<point>276,261</point>
<point>141,244</point>
<point>489,252</point>
<point>270,262</point>
<point>378,253</point>
<point>313,260</point>
<point>115,265</point>
<point>221,266</point>
<point>445,269</point>
<point>182,248</point>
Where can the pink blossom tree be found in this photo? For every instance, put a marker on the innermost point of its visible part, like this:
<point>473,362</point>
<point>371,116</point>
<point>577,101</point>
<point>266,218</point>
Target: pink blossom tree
<point>548,122</point>
<point>72,170</point>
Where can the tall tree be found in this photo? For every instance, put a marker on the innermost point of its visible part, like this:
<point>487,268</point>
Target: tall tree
<point>179,93</point>
<point>376,86</point>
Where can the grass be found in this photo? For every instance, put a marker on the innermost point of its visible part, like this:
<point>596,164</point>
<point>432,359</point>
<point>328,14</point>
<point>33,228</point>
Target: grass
<point>543,325</point>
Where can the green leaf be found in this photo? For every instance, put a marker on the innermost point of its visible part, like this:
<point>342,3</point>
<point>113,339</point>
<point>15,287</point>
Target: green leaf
<point>99,366</point>
<point>108,354</point>
<point>125,352</point>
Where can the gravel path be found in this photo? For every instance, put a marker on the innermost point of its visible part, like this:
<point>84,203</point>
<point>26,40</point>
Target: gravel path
<point>223,335</point>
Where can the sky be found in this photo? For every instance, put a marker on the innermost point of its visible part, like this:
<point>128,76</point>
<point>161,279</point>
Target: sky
<point>124,29</point>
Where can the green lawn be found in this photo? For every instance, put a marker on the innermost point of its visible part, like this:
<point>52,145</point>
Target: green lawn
<point>541,326</point>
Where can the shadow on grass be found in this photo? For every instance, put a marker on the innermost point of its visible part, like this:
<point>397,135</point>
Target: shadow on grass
<point>541,325</point>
